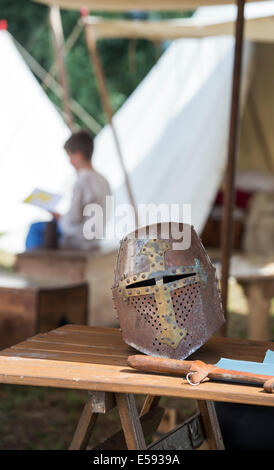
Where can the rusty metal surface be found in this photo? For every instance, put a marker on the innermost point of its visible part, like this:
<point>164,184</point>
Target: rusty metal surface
<point>167,300</point>
<point>186,436</point>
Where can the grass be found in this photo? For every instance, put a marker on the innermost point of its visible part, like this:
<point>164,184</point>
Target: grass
<point>45,418</point>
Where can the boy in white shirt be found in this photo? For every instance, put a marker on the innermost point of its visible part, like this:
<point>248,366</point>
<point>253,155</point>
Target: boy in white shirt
<point>90,188</point>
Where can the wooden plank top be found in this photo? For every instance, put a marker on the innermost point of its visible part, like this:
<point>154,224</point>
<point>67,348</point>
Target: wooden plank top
<point>22,282</point>
<point>58,254</point>
<point>91,358</point>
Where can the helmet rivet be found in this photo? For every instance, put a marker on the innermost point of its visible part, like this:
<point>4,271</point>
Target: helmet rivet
<point>143,276</point>
<point>135,278</point>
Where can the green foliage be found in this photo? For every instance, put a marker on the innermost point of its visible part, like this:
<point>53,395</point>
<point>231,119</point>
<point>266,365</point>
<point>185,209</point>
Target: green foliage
<point>28,23</point>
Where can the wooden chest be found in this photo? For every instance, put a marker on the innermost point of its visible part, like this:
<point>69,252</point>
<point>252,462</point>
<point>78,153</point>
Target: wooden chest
<point>94,267</point>
<point>30,306</point>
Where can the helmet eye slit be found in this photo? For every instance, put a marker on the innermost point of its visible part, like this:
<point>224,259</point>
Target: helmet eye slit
<point>146,282</point>
<point>177,277</point>
<point>152,281</point>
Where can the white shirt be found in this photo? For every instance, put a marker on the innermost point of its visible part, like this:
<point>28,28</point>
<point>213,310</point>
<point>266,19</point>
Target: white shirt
<point>90,187</point>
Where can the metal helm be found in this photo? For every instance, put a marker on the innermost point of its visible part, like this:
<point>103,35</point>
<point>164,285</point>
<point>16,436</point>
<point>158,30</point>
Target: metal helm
<point>167,299</point>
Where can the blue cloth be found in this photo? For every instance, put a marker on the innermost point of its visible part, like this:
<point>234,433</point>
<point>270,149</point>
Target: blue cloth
<point>263,368</point>
<point>269,357</point>
<point>35,237</point>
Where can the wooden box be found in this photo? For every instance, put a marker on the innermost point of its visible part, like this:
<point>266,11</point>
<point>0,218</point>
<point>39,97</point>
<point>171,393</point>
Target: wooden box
<point>94,267</point>
<point>29,306</point>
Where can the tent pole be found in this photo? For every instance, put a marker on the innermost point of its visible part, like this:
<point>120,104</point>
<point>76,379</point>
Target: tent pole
<point>229,189</point>
<point>58,45</point>
<point>99,73</point>
<point>48,81</point>
<point>67,46</point>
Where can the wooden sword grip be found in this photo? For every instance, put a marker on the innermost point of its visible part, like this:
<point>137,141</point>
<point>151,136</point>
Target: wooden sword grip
<point>162,365</point>
<point>198,369</point>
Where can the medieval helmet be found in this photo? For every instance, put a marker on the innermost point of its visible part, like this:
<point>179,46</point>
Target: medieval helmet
<point>167,299</point>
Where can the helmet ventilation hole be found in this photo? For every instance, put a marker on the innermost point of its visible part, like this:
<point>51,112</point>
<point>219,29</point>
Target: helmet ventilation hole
<point>184,301</point>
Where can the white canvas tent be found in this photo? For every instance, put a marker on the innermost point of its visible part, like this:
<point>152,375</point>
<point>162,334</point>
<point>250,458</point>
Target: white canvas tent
<point>174,128</point>
<point>31,154</point>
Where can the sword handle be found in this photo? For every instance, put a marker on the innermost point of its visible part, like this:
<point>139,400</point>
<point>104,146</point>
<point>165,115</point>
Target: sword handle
<point>197,370</point>
<point>160,364</point>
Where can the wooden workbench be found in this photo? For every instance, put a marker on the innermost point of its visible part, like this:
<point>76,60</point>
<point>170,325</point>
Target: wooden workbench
<point>95,359</point>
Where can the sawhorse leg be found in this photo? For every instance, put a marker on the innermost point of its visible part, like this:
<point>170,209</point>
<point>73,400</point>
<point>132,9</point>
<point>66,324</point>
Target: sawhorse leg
<point>150,402</point>
<point>85,427</point>
<point>130,421</point>
<point>132,434</point>
<point>211,426</point>
<point>133,426</point>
